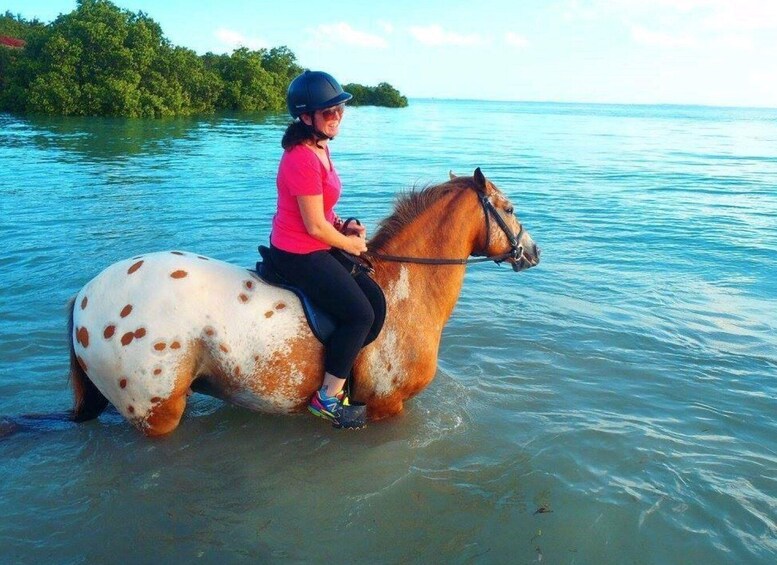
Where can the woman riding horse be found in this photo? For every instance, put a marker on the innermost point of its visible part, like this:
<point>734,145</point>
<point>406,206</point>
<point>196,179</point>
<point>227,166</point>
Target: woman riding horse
<point>305,229</point>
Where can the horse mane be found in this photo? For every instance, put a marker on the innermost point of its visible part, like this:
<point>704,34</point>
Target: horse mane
<point>412,203</point>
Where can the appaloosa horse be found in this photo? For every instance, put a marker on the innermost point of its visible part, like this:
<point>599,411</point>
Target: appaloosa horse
<point>147,330</point>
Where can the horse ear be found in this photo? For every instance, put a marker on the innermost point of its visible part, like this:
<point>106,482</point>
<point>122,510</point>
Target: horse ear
<point>480,180</point>
<point>451,175</point>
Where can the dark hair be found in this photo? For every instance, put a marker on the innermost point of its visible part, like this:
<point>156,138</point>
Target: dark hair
<point>296,133</point>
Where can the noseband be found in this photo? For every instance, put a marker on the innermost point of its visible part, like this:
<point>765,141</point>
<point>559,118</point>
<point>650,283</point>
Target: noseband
<point>489,211</point>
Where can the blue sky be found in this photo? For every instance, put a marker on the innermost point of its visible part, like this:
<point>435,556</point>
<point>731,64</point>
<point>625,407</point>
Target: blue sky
<point>712,52</point>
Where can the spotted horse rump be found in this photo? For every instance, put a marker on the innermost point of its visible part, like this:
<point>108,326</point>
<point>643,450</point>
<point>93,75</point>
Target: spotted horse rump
<point>146,328</point>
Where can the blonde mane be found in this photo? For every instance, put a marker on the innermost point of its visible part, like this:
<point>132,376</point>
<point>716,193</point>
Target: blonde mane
<point>411,204</point>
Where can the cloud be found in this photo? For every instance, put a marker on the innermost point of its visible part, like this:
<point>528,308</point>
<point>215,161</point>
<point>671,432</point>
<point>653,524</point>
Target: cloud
<point>343,33</point>
<point>516,40</point>
<point>387,27</point>
<point>713,15</point>
<point>436,35</point>
<point>744,15</point>
<point>735,42</point>
<point>232,39</point>
<point>660,39</point>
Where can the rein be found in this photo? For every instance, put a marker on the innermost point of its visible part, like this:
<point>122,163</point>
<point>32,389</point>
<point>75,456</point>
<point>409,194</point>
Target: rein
<point>516,250</point>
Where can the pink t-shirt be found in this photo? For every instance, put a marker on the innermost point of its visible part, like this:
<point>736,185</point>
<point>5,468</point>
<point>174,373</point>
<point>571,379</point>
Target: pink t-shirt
<point>301,173</point>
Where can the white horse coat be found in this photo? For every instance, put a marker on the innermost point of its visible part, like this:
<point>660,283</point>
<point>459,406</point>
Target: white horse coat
<point>138,321</point>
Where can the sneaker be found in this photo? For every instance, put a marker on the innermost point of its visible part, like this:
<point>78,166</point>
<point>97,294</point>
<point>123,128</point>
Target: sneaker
<point>327,407</point>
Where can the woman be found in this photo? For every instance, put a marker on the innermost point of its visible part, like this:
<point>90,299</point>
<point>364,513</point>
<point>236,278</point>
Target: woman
<point>306,231</point>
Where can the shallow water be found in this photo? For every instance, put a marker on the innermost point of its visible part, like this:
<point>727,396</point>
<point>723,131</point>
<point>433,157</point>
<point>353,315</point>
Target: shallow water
<point>615,404</point>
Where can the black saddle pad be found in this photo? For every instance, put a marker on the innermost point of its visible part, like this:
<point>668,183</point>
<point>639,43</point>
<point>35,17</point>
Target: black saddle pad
<point>321,323</point>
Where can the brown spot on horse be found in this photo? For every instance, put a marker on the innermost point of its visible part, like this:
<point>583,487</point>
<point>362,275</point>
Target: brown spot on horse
<point>280,306</point>
<point>126,311</point>
<point>175,345</point>
<point>269,314</point>
<point>157,371</point>
<point>161,346</point>
<point>123,383</point>
<point>243,298</point>
<point>140,332</point>
<point>176,253</point>
<point>224,347</point>
<point>249,285</point>
<point>179,274</point>
<point>127,338</point>
<point>83,303</point>
<point>83,337</point>
<point>134,267</point>
<point>109,331</point>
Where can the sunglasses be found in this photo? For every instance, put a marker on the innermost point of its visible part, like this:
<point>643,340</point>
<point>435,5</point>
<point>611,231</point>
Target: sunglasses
<point>333,112</point>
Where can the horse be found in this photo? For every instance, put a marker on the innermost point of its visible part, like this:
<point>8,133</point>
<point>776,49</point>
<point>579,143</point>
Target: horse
<point>149,330</point>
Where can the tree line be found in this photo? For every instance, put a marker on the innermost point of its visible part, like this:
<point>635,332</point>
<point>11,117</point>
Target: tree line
<point>100,60</point>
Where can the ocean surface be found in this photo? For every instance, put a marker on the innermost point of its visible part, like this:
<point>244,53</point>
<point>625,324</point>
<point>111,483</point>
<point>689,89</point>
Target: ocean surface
<point>615,404</point>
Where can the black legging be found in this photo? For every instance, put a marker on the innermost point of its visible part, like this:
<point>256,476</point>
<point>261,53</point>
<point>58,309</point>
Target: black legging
<point>330,285</point>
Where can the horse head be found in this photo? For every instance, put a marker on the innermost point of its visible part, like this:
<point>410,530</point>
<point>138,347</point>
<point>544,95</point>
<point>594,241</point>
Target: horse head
<point>504,237</point>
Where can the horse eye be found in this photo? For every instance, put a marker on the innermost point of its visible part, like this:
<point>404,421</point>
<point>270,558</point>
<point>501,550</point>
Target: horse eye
<point>509,210</point>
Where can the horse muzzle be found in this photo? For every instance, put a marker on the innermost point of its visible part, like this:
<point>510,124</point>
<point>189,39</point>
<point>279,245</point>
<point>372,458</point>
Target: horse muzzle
<point>525,258</point>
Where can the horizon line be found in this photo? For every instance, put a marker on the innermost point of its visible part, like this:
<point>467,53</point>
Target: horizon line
<point>584,103</point>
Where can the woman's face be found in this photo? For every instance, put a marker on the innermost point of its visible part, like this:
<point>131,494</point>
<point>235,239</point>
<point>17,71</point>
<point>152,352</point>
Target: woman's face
<point>328,119</point>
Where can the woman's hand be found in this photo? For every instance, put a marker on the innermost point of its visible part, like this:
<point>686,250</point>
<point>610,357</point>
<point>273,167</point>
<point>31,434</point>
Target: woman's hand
<point>311,209</point>
<point>355,245</point>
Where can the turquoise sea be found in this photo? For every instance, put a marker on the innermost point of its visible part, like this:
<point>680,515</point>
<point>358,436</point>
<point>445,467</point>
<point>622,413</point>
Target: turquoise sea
<point>615,404</point>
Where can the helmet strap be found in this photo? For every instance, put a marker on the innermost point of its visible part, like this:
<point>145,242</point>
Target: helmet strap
<point>320,136</point>
<point>317,133</point>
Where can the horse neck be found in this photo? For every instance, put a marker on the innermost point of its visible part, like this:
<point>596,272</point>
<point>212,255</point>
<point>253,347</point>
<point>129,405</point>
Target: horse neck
<point>449,229</point>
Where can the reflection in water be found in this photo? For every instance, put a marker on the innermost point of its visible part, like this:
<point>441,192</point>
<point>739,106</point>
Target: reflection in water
<point>106,138</point>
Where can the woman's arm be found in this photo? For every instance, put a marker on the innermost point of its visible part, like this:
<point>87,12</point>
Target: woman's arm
<point>311,208</point>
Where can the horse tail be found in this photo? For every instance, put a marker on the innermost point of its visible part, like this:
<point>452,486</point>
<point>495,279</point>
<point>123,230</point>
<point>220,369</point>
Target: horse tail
<point>89,401</point>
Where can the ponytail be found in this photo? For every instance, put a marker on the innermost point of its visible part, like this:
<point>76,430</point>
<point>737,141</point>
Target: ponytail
<point>297,133</point>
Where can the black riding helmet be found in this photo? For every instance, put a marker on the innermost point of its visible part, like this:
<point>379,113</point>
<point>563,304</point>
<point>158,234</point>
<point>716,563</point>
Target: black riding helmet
<point>314,90</point>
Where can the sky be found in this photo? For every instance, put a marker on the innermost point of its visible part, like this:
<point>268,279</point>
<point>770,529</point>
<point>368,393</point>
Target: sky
<point>707,52</point>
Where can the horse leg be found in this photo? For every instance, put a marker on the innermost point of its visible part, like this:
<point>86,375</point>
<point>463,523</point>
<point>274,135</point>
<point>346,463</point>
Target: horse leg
<point>89,402</point>
<point>384,407</point>
<point>166,414</point>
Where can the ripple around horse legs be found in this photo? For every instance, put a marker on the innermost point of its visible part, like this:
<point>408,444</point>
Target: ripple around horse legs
<point>442,409</point>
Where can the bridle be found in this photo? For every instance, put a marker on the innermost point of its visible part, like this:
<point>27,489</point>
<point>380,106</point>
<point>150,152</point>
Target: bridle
<point>489,211</point>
